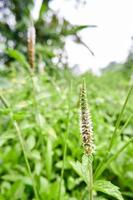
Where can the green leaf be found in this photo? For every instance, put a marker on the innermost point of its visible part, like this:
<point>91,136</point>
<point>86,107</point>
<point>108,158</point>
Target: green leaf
<point>38,168</point>
<point>17,190</point>
<point>75,29</point>
<point>106,163</point>
<point>17,56</point>
<point>100,198</point>
<point>72,182</point>
<point>108,188</point>
<point>42,10</point>
<point>82,169</point>
<point>16,177</point>
<point>30,143</point>
<point>77,168</point>
<point>4,138</point>
<point>35,155</point>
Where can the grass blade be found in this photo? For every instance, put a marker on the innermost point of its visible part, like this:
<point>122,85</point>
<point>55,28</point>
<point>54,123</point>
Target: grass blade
<point>21,140</point>
<point>119,119</point>
<point>115,132</point>
<point>119,133</point>
<point>107,163</point>
<point>65,145</point>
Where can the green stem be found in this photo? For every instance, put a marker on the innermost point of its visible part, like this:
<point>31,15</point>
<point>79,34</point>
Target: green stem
<point>21,140</point>
<point>105,158</point>
<point>91,183</point>
<point>99,169</point>
<point>119,120</point>
<point>36,89</point>
<point>25,157</point>
<point>107,162</point>
<point>65,145</point>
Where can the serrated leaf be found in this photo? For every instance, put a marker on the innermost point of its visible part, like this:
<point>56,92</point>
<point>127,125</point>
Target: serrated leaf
<point>108,188</point>
<point>82,169</point>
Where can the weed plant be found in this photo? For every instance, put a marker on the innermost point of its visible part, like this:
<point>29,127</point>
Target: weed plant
<point>41,153</point>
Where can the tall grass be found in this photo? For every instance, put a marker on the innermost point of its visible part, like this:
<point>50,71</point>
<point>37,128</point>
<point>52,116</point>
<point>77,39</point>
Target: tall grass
<point>87,134</point>
<point>107,160</point>
<point>22,143</point>
<point>66,138</point>
<point>84,169</point>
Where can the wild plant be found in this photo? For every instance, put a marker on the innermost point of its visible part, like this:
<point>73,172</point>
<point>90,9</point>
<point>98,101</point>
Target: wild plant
<point>87,134</point>
<point>85,168</point>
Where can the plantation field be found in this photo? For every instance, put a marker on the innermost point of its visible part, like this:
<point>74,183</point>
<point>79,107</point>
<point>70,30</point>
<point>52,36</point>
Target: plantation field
<point>41,153</point>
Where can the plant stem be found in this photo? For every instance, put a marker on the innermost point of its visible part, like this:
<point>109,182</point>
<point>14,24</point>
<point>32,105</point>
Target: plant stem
<point>36,89</point>
<point>21,140</point>
<point>100,167</point>
<point>105,158</point>
<point>91,183</point>
<point>113,157</point>
<point>119,120</point>
<point>65,145</point>
<point>25,157</point>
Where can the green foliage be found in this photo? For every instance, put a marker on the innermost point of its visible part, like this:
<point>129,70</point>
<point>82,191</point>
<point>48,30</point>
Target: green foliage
<point>51,32</point>
<point>108,188</point>
<point>17,56</point>
<point>41,156</point>
<point>45,111</point>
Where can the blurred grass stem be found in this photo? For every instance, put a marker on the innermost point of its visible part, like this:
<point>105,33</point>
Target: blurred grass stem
<point>119,119</point>
<point>66,138</point>
<point>91,182</point>
<point>21,140</point>
<point>101,166</point>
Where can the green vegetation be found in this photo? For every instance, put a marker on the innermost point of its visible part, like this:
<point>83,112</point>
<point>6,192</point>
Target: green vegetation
<point>41,153</point>
<point>39,121</point>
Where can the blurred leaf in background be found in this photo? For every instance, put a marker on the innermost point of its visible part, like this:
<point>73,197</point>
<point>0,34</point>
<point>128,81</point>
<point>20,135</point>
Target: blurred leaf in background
<point>51,32</point>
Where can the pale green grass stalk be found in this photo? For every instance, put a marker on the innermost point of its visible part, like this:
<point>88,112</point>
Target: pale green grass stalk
<point>65,139</point>
<point>125,125</point>
<point>107,163</point>
<point>119,119</point>
<point>35,90</point>
<point>56,87</point>
<point>22,143</point>
<point>91,183</point>
<point>105,159</point>
<point>98,170</point>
